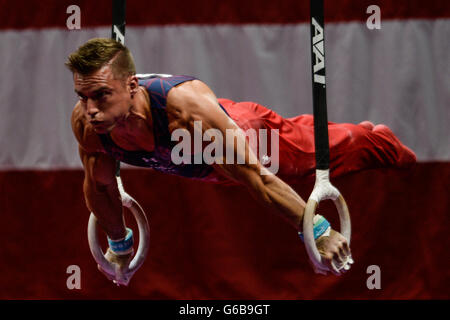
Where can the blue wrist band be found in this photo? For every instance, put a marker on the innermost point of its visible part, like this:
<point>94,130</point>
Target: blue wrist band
<point>319,228</point>
<point>122,246</point>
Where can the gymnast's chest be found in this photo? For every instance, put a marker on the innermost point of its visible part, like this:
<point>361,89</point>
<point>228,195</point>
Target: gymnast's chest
<point>135,136</point>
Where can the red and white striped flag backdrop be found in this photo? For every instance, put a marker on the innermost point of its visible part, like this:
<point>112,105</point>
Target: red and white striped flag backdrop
<point>215,241</point>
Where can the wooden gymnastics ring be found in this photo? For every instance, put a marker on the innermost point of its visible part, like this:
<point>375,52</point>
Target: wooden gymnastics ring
<point>323,190</point>
<point>144,240</point>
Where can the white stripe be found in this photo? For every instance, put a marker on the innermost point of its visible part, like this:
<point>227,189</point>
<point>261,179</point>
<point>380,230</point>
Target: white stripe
<point>397,75</point>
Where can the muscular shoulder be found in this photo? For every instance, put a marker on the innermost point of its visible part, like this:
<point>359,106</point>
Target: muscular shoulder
<point>194,101</point>
<point>190,92</point>
<point>84,133</point>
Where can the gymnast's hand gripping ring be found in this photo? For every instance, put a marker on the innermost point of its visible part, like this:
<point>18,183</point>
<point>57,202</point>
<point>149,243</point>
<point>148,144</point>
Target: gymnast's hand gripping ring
<point>323,190</point>
<point>144,240</point>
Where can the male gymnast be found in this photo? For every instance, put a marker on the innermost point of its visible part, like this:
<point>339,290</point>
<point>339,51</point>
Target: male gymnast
<point>122,117</point>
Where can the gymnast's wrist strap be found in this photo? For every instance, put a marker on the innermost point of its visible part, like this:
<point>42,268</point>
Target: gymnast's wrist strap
<point>122,246</point>
<point>321,227</point>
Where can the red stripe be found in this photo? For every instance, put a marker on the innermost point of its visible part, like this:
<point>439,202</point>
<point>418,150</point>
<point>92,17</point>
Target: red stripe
<point>215,242</point>
<point>52,13</point>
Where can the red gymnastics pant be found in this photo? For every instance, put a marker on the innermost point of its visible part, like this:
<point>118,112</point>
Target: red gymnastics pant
<point>352,147</point>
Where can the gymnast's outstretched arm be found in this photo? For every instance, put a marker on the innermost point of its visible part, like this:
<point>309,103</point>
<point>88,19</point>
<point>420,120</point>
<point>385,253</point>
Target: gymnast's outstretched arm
<point>102,194</point>
<point>100,188</point>
<point>194,101</point>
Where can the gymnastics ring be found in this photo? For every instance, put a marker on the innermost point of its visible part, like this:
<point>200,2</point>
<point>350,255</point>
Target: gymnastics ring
<point>144,240</point>
<point>323,190</point>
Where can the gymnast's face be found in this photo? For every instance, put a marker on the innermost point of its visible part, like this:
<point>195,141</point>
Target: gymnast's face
<point>106,100</point>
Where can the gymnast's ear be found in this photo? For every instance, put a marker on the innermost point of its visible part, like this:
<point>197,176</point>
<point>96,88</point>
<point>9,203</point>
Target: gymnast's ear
<point>133,84</point>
